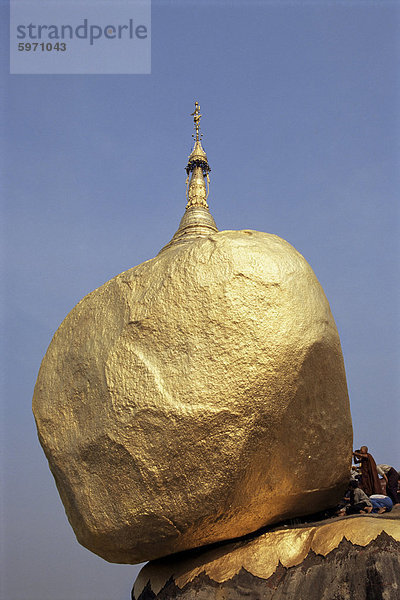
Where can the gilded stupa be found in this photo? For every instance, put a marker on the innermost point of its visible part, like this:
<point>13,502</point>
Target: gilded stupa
<point>194,398</point>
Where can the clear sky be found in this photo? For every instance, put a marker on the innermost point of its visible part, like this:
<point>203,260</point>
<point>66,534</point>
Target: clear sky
<point>301,128</point>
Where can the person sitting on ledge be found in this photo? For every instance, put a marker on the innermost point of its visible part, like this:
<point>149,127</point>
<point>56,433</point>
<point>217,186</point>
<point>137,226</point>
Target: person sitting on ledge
<point>369,475</point>
<point>358,499</point>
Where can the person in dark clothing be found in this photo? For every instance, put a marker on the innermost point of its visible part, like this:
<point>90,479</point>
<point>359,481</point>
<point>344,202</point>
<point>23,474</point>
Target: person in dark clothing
<point>369,475</point>
<point>392,482</point>
<point>359,501</point>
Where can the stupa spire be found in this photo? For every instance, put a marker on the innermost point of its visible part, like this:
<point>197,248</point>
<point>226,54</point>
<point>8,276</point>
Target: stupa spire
<point>198,167</point>
<point>197,221</point>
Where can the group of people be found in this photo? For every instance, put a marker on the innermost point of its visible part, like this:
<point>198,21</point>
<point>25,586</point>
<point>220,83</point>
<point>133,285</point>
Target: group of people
<point>365,493</point>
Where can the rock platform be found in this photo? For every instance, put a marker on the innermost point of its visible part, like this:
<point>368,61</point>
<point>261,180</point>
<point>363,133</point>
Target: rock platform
<point>350,558</point>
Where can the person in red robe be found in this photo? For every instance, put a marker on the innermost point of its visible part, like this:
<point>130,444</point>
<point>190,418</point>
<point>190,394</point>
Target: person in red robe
<point>369,475</point>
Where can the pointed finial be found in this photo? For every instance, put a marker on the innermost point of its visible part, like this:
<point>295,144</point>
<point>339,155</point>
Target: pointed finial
<point>196,192</point>
<point>196,118</point>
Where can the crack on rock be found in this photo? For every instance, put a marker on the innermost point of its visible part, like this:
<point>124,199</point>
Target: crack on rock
<point>164,518</point>
<point>266,284</point>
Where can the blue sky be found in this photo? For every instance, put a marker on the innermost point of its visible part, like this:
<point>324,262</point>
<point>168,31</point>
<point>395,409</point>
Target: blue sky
<point>301,127</point>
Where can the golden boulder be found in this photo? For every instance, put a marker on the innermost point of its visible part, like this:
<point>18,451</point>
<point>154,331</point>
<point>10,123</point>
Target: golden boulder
<point>195,398</point>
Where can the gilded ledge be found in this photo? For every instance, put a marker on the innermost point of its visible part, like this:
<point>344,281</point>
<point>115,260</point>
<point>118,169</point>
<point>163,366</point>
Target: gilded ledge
<point>261,556</point>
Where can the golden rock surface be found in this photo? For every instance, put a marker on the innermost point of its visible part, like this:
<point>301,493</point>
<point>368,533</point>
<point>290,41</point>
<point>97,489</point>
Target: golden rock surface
<point>262,555</point>
<point>196,398</point>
